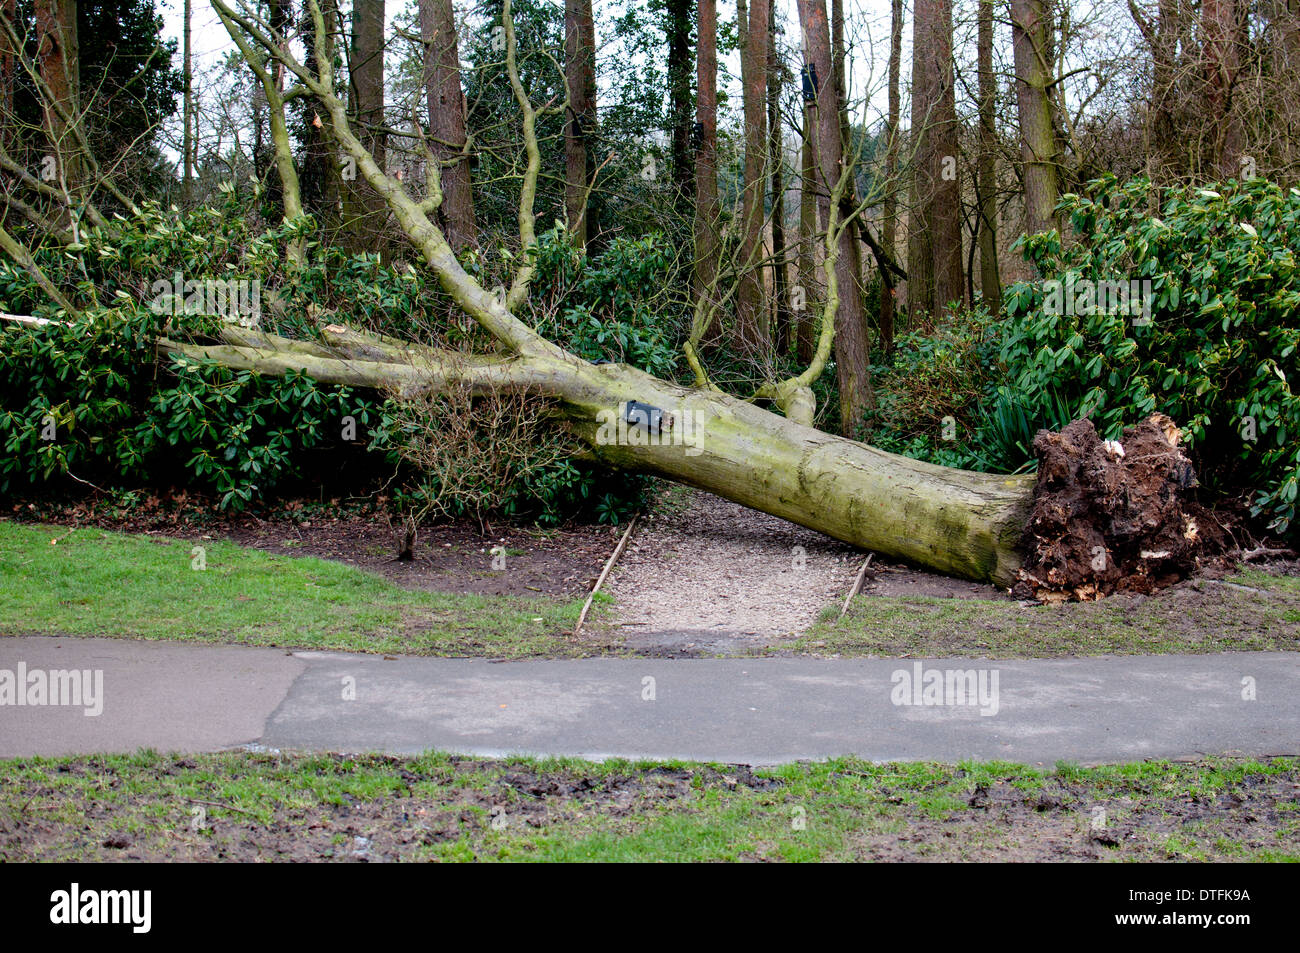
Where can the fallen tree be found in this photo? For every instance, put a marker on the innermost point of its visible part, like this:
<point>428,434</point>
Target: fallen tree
<point>957,522</point>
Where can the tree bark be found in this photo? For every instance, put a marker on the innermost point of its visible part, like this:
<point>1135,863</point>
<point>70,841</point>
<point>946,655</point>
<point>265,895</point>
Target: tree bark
<point>364,210</point>
<point>447,122</point>
<point>834,181</point>
<point>1221,64</point>
<point>934,226</point>
<point>986,182</point>
<point>1039,149</point>
<point>580,76</point>
<point>706,151</point>
<point>59,66</point>
<point>889,227</point>
<point>751,307</point>
<point>679,101</point>
<point>805,332</point>
<point>320,179</point>
<point>954,521</point>
<point>776,167</point>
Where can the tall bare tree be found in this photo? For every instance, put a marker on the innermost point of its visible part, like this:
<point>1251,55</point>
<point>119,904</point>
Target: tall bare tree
<point>679,99</point>
<point>579,161</point>
<point>447,121</point>
<point>706,150</point>
<point>934,235</point>
<point>751,308</point>
<point>889,225</point>
<point>1222,25</point>
<point>363,207</point>
<point>320,177</point>
<point>1031,31</point>
<point>808,288</point>
<point>985,181</point>
<point>834,182</point>
<point>58,62</point>
<point>776,167</point>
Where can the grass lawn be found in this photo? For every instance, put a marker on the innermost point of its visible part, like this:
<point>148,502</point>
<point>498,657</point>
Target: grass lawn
<point>1252,611</point>
<point>270,806</point>
<point>97,583</point>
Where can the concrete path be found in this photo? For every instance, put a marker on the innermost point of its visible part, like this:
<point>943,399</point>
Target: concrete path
<point>755,711</point>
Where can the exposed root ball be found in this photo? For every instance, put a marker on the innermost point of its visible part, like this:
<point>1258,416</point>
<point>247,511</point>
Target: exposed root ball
<point>1111,516</point>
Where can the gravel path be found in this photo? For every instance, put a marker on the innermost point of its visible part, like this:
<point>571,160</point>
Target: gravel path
<point>702,574</point>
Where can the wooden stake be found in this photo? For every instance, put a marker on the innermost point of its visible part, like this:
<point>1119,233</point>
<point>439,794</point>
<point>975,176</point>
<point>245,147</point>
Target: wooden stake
<point>609,564</point>
<point>857,585</point>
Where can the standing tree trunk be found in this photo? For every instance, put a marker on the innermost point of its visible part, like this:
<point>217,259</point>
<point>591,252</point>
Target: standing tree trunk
<point>679,102</point>
<point>1221,63</point>
<point>447,121</point>
<point>751,309</point>
<point>320,176</point>
<point>59,66</point>
<point>834,181</point>
<point>579,164</point>
<point>776,160</point>
<point>706,149</point>
<point>986,181</point>
<point>1040,151</point>
<point>889,228</point>
<point>364,208</point>
<point>187,138</point>
<point>805,332</point>
<point>934,228</point>
<point>8,62</point>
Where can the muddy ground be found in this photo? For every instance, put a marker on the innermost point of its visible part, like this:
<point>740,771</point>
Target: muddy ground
<point>278,807</point>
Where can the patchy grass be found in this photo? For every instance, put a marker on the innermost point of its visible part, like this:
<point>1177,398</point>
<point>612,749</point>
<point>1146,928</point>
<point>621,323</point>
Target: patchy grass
<point>1254,611</point>
<point>270,806</point>
<point>92,582</point>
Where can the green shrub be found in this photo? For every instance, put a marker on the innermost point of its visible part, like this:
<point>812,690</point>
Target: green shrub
<point>1213,344</point>
<point>121,414</point>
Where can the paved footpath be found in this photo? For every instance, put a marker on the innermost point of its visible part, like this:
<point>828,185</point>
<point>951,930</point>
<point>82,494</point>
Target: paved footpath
<point>174,697</point>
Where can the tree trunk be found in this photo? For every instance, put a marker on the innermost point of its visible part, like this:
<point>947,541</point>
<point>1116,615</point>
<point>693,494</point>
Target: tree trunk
<point>953,521</point>
<point>1221,63</point>
<point>58,63</point>
<point>751,308</point>
<point>986,184</point>
<point>776,166</point>
<point>805,332</point>
<point>8,74</point>
<point>320,177</point>
<point>187,138</point>
<point>679,101</point>
<point>834,181</point>
<point>889,228</point>
<point>579,165</point>
<point>1030,28</point>
<point>706,150</point>
<point>934,228</point>
<point>447,121</point>
<point>364,209</point>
